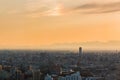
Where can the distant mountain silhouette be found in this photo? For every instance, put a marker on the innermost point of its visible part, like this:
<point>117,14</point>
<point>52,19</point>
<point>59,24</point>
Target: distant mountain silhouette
<point>90,45</point>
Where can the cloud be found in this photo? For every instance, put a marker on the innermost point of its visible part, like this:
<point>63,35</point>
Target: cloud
<point>98,8</point>
<point>56,9</point>
<point>38,8</point>
<point>86,8</point>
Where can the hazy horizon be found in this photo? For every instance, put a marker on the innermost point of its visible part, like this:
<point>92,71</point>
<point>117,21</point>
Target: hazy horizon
<point>89,45</point>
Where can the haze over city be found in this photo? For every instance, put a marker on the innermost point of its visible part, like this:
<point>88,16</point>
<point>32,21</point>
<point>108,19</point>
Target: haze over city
<point>41,24</point>
<point>59,39</point>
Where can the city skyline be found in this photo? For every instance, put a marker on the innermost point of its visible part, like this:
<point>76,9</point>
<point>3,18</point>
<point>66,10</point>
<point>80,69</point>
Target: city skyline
<point>36,23</point>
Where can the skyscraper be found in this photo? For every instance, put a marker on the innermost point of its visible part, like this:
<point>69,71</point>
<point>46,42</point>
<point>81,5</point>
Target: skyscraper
<point>0,67</point>
<point>79,56</point>
<point>80,51</point>
<point>36,75</point>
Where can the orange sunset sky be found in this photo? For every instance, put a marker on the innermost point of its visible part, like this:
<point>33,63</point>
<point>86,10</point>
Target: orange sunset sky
<point>39,24</point>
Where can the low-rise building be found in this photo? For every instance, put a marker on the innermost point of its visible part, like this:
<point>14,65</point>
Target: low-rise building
<point>73,76</point>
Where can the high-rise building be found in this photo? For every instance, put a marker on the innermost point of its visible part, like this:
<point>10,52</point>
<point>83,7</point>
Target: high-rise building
<point>80,51</point>
<point>18,75</point>
<point>3,74</point>
<point>0,67</point>
<point>79,56</point>
<point>36,75</point>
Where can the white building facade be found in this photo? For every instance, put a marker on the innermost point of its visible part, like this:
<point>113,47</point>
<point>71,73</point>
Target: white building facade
<point>74,76</point>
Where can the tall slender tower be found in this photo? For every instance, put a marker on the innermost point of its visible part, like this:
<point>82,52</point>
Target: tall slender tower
<point>80,51</point>
<point>79,56</point>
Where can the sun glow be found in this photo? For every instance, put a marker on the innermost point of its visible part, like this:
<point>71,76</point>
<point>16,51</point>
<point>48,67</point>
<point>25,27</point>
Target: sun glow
<point>56,11</point>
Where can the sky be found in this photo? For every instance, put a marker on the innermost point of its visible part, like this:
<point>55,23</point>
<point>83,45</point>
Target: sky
<point>33,24</point>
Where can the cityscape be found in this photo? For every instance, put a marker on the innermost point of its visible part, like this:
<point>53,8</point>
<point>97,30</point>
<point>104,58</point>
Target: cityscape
<point>59,39</point>
<point>59,65</point>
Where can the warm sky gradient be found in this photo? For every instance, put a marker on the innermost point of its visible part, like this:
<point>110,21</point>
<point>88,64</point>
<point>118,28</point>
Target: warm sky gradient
<point>37,23</point>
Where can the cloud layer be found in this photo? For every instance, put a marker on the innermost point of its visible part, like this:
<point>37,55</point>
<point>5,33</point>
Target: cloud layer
<point>36,8</point>
<point>99,8</point>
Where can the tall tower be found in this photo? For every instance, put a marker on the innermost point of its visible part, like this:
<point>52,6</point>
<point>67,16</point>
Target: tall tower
<point>80,51</point>
<point>79,57</point>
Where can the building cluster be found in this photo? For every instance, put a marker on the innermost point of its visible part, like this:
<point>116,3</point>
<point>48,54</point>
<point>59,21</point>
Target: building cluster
<point>54,73</point>
<point>53,65</point>
<point>70,76</point>
<point>14,73</point>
